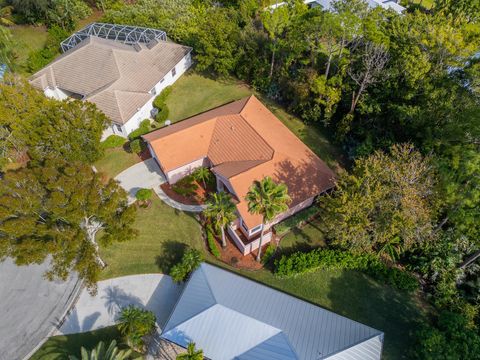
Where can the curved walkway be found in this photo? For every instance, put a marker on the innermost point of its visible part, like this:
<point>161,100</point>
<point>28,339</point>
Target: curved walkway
<point>147,174</point>
<point>154,292</point>
<point>30,307</point>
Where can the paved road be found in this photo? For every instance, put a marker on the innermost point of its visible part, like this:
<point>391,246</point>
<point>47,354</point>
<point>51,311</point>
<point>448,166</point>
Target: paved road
<point>30,307</point>
<point>155,292</point>
<point>147,174</point>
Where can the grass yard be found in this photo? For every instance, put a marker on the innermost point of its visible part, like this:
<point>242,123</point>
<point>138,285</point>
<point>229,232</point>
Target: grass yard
<point>194,93</point>
<point>307,236</point>
<point>115,161</point>
<point>163,235</point>
<point>357,297</point>
<point>59,347</point>
<point>27,38</point>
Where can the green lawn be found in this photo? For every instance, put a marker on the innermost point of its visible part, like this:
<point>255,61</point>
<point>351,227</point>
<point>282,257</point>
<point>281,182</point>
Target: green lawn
<point>163,235</point>
<point>59,347</point>
<point>357,297</point>
<point>307,236</point>
<point>27,38</point>
<point>194,93</point>
<point>115,161</point>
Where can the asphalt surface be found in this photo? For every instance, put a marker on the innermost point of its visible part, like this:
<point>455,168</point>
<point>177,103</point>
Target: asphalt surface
<point>30,307</point>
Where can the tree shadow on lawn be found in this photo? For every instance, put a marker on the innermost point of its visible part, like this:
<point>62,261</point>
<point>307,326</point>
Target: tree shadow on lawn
<point>396,313</point>
<point>171,254</point>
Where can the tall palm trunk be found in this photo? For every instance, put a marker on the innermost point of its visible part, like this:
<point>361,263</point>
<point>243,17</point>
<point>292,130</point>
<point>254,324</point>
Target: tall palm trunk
<point>259,254</point>
<point>224,241</point>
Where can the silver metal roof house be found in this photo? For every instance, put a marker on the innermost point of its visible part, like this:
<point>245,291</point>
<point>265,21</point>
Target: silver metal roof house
<point>230,317</point>
<point>122,33</point>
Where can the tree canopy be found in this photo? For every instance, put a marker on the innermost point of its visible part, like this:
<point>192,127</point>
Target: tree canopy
<point>61,212</point>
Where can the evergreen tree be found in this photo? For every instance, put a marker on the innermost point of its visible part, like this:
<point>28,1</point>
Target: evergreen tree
<point>62,212</point>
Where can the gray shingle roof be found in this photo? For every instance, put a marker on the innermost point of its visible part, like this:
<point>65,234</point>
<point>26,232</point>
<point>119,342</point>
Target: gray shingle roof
<point>231,317</point>
<point>116,77</point>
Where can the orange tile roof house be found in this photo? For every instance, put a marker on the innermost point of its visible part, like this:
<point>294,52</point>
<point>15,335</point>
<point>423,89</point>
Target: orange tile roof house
<point>242,142</point>
<point>121,75</point>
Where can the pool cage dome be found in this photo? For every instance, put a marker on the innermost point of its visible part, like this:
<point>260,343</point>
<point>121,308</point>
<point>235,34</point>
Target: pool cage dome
<point>122,33</point>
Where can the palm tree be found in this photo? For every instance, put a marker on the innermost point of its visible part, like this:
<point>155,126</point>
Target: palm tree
<point>202,174</point>
<point>221,211</point>
<point>267,199</point>
<point>135,323</point>
<point>191,354</point>
<point>99,353</point>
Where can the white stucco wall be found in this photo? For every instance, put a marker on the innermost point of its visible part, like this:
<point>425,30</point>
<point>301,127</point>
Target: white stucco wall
<point>145,111</point>
<point>55,93</point>
<point>174,175</point>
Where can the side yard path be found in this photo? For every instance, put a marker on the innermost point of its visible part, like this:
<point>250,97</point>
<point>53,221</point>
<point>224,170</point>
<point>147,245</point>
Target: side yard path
<point>154,292</point>
<point>147,174</point>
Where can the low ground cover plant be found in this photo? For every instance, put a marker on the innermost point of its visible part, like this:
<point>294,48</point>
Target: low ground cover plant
<point>327,259</point>
<point>142,129</point>
<point>185,186</point>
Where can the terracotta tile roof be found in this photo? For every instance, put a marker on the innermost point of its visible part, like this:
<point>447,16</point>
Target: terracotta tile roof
<point>244,142</point>
<point>115,76</point>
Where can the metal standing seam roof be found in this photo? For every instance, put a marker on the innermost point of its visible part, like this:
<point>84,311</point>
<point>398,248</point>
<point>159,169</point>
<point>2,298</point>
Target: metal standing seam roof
<point>231,317</point>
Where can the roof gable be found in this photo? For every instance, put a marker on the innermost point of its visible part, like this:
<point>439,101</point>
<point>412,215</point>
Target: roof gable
<point>308,331</point>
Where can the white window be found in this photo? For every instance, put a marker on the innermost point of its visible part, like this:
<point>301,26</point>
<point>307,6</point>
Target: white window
<point>174,72</point>
<point>161,81</point>
<point>256,229</point>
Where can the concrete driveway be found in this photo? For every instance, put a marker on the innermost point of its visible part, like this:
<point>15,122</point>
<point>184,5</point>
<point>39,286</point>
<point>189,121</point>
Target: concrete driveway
<point>155,292</point>
<point>30,307</point>
<point>146,174</point>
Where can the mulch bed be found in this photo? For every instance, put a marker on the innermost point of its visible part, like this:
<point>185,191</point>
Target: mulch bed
<point>196,199</point>
<point>233,257</point>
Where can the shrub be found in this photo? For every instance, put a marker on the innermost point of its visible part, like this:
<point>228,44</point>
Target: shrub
<point>162,114</point>
<point>185,186</point>
<point>143,128</point>
<point>134,324</point>
<point>268,254</point>
<point>137,146</point>
<point>325,259</point>
<point>144,194</point>
<point>212,244</point>
<point>296,220</point>
<point>159,101</point>
<point>191,259</point>
<point>40,58</point>
<point>113,141</point>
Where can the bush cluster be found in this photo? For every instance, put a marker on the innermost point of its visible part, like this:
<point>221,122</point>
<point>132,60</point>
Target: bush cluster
<point>143,128</point>
<point>159,103</point>
<point>296,220</point>
<point>268,254</point>
<point>185,186</point>
<point>191,259</point>
<point>113,141</point>
<point>144,194</point>
<point>40,58</point>
<point>212,244</point>
<point>326,259</point>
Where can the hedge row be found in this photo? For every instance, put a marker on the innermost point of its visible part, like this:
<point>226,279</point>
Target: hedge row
<point>296,220</point>
<point>327,259</point>
<point>212,244</point>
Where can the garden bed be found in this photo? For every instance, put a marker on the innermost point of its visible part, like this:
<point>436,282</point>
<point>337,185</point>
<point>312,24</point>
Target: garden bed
<point>198,198</point>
